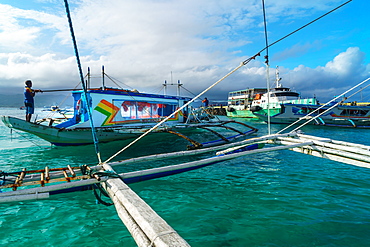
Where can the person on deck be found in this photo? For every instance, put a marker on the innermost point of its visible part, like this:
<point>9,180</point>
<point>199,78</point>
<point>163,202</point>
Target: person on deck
<point>205,102</point>
<point>29,93</point>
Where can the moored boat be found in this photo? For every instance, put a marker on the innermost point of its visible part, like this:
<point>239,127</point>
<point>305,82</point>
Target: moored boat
<point>117,114</point>
<point>342,115</point>
<point>251,103</point>
<point>239,102</point>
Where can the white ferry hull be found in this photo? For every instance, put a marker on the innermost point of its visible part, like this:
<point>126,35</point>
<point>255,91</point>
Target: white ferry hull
<point>339,116</point>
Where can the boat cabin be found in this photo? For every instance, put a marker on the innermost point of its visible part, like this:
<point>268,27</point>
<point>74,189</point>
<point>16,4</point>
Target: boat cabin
<point>116,107</point>
<point>244,97</point>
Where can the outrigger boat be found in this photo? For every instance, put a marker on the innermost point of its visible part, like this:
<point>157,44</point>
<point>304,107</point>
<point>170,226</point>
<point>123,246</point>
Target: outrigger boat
<point>342,115</point>
<point>120,114</point>
<point>40,184</point>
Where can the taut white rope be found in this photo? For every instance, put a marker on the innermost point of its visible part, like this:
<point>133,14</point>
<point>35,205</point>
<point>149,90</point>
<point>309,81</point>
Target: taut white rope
<point>164,120</point>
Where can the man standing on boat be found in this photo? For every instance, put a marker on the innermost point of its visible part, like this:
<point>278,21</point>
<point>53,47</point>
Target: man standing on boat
<point>29,93</point>
<point>205,102</point>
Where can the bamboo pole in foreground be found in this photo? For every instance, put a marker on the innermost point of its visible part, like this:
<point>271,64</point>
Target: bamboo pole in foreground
<point>145,225</point>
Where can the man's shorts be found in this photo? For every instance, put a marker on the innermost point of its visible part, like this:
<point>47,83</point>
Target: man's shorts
<point>30,109</point>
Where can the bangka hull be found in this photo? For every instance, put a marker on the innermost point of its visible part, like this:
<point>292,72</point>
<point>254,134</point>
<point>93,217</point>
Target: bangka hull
<point>68,137</point>
<point>83,136</point>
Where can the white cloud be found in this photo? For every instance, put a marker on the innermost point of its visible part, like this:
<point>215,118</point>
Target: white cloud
<point>141,42</point>
<point>347,69</point>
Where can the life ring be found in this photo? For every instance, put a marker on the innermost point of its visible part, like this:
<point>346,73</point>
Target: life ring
<point>257,97</point>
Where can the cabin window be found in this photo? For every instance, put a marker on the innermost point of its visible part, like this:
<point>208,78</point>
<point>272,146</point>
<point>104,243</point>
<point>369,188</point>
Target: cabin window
<point>281,94</point>
<point>141,110</point>
<point>353,112</point>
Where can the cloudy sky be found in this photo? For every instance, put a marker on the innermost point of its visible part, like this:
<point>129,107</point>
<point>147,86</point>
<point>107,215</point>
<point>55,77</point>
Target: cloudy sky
<point>141,43</point>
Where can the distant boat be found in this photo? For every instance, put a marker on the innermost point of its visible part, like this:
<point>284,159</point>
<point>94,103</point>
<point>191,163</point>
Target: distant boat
<point>343,115</point>
<point>245,103</point>
<point>117,114</point>
<point>239,102</point>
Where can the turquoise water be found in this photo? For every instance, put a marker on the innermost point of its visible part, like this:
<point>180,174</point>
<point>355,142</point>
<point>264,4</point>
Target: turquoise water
<point>273,199</point>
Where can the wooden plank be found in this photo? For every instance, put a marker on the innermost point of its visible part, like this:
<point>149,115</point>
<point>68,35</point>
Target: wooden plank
<point>71,171</point>
<point>42,180</point>
<point>47,176</point>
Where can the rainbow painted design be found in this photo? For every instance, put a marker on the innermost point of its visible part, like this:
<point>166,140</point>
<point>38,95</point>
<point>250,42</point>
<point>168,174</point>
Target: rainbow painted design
<point>109,110</point>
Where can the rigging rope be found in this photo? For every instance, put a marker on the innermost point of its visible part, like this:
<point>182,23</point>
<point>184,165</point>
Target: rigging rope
<point>82,82</point>
<point>217,82</point>
<point>286,36</point>
<point>114,81</point>
<point>171,115</point>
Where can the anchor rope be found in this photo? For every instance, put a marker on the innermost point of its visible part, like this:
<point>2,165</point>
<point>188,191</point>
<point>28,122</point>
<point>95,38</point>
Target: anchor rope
<point>98,188</point>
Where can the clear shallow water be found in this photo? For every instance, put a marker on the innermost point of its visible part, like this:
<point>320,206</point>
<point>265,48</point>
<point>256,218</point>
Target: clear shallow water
<point>273,199</point>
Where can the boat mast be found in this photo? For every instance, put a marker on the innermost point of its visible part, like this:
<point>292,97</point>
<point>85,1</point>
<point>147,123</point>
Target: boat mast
<point>278,79</point>
<point>178,87</point>
<point>179,84</point>
<point>165,87</point>
<point>103,77</point>
<point>88,78</point>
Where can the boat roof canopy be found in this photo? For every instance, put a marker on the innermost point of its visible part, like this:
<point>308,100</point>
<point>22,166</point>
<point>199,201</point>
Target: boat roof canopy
<point>249,90</point>
<point>133,93</point>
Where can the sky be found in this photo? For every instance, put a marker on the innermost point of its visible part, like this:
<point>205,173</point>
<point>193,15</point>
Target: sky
<point>142,43</point>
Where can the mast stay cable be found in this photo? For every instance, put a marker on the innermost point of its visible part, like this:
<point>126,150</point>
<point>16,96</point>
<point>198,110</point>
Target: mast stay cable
<point>82,82</point>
